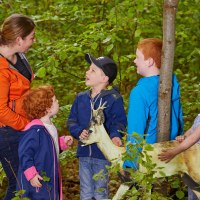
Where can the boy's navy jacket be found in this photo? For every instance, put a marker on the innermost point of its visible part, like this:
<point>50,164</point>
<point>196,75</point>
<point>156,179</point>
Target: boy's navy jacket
<point>37,149</point>
<point>80,116</point>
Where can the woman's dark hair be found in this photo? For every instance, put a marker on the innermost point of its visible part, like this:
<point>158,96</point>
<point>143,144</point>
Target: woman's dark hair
<point>16,25</point>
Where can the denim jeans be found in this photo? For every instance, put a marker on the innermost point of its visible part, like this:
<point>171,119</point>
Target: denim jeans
<point>89,187</point>
<point>9,140</point>
<point>191,195</point>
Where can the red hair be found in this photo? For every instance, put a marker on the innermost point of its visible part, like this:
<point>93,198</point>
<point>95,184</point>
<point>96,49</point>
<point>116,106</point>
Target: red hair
<point>37,101</point>
<point>151,48</point>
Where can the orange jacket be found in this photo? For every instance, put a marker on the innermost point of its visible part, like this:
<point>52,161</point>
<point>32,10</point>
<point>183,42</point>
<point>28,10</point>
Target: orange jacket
<point>13,87</point>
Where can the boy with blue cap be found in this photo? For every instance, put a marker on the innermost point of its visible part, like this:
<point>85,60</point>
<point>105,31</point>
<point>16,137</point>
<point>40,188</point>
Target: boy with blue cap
<point>101,73</point>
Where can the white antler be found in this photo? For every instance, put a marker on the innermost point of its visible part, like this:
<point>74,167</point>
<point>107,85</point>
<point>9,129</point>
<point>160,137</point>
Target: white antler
<point>100,107</point>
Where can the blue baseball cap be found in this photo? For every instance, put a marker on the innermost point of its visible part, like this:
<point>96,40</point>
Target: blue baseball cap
<point>107,65</point>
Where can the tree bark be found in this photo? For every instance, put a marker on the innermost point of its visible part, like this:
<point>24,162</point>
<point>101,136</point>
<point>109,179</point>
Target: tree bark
<point>164,101</point>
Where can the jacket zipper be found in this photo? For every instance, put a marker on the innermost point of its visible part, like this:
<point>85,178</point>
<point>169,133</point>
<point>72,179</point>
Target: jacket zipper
<point>90,151</point>
<point>93,101</point>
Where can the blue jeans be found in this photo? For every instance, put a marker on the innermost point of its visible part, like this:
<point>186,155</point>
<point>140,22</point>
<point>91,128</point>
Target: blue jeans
<point>9,140</point>
<point>89,187</point>
<point>191,195</point>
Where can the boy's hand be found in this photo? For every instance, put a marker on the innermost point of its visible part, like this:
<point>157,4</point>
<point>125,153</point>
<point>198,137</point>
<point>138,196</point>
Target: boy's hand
<point>35,181</point>
<point>166,155</point>
<point>117,141</point>
<point>68,140</point>
<point>84,135</point>
<point>180,138</point>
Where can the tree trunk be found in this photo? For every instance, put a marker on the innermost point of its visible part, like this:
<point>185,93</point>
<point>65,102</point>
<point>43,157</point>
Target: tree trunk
<point>164,101</point>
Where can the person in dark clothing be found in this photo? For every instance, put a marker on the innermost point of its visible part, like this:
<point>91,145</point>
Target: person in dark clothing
<point>101,73</point>
<point>39,147</point>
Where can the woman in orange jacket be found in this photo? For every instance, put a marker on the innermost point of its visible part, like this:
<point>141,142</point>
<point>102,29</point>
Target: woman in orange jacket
<point>17,35</point>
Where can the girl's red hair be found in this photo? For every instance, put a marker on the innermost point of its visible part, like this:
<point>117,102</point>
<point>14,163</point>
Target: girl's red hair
<point>37,101</point>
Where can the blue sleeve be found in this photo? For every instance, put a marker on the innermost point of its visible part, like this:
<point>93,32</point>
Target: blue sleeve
<point>28,147</point>
<point>119,120</point>
<point>176,111</point>
<point>72,123</point>
<point>137,113</point>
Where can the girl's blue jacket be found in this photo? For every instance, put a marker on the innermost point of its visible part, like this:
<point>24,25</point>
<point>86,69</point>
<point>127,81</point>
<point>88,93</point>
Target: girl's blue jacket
<point>80,116</point>
<point>37,154</point>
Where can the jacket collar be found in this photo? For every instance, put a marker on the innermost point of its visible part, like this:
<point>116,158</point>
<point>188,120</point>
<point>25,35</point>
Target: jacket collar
<point>113,90</point>
<point>32,123</point>
<point>4,63</point>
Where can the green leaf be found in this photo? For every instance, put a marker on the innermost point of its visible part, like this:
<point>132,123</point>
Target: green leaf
<point>109,47</point>
<point>16,198</point>
<point>180,194</point>
<point>106,40</point>
<point>137,33</point>
<point>94,46</point>
<point>46,178</point>
<point>41,73</point>
<point>20,192</point>
<point>148,147</point>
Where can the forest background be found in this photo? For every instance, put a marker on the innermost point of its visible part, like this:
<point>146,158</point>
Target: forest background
<point>67,29</point>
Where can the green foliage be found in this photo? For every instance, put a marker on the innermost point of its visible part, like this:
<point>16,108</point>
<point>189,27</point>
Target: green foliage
<point>2,175</point>
<point>44,176</point>
<point>190,96</point>
<point>180,194</point>
<point>145,184</point>
<point>65,156</point>
<point>18,195</point>
<point>66,30</point>
<point>99,175</point>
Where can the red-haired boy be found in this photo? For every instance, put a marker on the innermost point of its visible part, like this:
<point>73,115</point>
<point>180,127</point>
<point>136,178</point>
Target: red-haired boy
<point>143,102</point>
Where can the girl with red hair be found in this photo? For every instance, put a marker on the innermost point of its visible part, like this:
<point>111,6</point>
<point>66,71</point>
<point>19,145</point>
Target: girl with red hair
<point>40,146</point>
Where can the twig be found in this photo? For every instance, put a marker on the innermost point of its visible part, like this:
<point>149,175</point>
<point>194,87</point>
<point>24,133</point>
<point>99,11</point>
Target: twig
<point>14,174</point>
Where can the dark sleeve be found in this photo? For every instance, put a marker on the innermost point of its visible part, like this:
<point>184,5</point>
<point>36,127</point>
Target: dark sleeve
<point>72,123</point>
<point>118,119</point>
